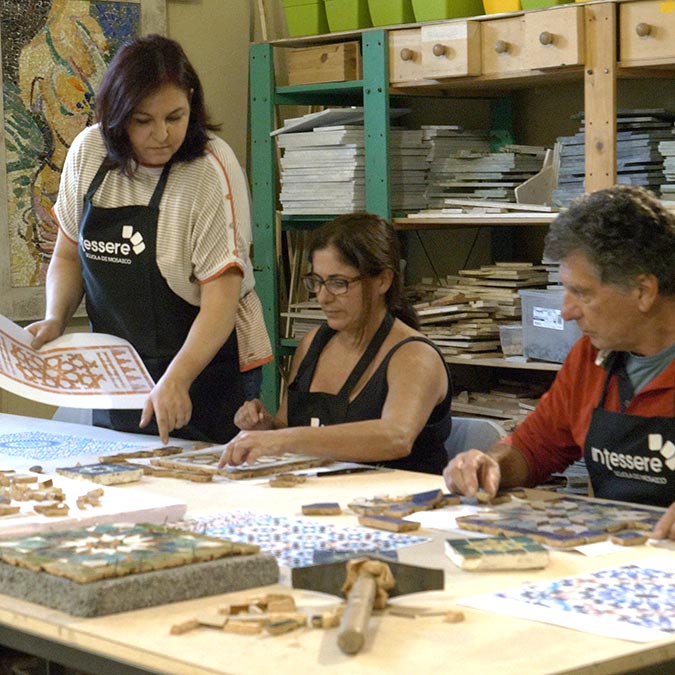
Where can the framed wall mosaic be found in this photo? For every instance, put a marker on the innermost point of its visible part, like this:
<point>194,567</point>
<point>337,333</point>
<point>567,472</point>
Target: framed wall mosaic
<point>54,53</point>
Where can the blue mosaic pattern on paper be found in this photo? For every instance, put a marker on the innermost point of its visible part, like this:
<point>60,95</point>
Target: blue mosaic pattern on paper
<point>44,446</point>
<point>632,594</point>
<point>294,541</point>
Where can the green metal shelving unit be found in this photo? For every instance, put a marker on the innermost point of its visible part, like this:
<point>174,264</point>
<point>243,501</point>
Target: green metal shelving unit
<point>371,92</point>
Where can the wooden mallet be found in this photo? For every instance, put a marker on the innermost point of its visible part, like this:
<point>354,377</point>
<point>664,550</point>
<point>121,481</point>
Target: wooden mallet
<point>366,589</point>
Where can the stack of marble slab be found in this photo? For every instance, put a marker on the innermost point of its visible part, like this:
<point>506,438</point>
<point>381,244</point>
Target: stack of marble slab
<point>639,158</point>
<point>667,149</point>
<point>323,170</point>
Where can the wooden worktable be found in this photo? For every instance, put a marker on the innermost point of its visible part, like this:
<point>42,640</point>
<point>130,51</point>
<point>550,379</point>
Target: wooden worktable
<point>139,641</point>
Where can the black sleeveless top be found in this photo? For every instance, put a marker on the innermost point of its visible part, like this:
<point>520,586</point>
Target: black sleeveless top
<point>428,454</point>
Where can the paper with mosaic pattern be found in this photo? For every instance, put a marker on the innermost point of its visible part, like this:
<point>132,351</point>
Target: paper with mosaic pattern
<point>78,370</point>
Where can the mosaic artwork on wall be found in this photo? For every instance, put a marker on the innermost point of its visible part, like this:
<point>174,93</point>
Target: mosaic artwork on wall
<point>54,54</point>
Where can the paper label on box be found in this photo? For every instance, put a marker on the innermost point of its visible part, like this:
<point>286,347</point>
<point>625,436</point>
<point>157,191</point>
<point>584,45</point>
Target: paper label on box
<point>547,317</point>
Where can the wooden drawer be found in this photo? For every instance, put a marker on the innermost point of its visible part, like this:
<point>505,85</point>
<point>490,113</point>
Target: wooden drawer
<point>646,32</point>
<point>326,63</point>
<point>554,37</point>
<point>502,45</point>
<point>451,49</point>
<point>405,55</point>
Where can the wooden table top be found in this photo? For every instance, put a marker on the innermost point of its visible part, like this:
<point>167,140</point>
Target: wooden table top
<point>484,642</point>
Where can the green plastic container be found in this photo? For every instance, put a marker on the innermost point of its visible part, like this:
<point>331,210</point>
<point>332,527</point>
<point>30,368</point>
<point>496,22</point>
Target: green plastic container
<point>347,15</point>
<point>305,17</point>
<point>391,12</point>
<point>434,10</point>
<point>538,4</point>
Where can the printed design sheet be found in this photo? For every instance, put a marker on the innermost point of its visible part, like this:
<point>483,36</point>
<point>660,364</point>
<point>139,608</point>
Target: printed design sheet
<point>633,602</point>
<point>42,445</point>
<point>79,370</point>
<point>296,542</point>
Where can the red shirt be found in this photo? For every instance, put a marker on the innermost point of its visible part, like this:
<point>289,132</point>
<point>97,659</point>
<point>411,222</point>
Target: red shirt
<point>553,436</point>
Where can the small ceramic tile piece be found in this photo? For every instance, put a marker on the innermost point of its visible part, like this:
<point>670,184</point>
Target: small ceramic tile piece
<point>500,498</point>
<point>103,473</point>
<point>428,499</point>
<point>388,523</point>
<point>184,627</point>
<point>322,509</point>
<point>454,616</point>
<point>211,619</point>
<point>287,480</point>
<point>400,509</point>
<point>497,553</point>
<point>629,538</point>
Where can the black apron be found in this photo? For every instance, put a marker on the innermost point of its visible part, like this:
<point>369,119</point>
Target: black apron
<point>630,458</point>
<point>127,296</point>
<point>428,453</point>
<point>309,408</point>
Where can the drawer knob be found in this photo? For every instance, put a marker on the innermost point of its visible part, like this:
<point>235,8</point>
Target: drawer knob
<point>439,50</point>
<point>501,46</point>
<point>546,38</point>
<point>407,54</point>
<point>643,29</point>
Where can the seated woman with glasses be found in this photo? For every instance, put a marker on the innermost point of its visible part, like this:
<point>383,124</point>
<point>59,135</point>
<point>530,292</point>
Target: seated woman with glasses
<point>366,386</point>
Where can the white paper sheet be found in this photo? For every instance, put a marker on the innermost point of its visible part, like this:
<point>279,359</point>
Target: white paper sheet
<point>632,602</point>
<point>78,370</point>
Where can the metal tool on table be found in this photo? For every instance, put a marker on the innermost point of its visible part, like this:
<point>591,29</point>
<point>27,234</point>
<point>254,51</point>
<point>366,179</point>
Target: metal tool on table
<point>367,582</point>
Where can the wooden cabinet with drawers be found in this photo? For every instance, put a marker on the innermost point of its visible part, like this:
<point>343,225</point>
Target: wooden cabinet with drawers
<point>527,41</point>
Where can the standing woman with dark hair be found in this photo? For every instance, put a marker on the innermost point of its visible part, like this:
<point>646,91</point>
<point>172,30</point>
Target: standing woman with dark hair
<point>366,386</point>
<point>154,230</point>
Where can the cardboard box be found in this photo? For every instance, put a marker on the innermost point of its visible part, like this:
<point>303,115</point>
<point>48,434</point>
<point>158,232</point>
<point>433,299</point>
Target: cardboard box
<point>339,62</point>
<point>546,335</point>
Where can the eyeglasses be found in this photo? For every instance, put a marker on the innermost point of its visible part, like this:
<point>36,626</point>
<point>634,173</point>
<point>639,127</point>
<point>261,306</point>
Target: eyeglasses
<point>334,285</point>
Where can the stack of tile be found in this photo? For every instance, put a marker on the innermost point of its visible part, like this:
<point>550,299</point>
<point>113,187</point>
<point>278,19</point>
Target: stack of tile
<point>508,402</point>
<point>638,157</point>
<point>458,324</point>
<point>498,285</point>
<point>667,149</point>
<point>323,170</point>
<point>553,271</point>
<point>482,175</point>
<point>463,317</point>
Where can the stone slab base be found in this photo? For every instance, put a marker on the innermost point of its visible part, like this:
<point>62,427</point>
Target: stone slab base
<point>136,591</point>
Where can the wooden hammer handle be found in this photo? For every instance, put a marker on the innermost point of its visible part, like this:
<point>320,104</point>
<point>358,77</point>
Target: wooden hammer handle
<point>351,634</point>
